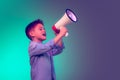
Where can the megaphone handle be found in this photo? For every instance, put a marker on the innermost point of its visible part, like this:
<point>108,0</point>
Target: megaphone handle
<point>66,34</point>
<point>57,30</point>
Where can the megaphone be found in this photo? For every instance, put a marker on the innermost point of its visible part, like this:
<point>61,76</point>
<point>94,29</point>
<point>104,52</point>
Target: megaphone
<point>67,18</point>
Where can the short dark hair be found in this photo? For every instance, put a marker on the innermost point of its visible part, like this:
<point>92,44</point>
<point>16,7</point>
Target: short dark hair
<point>32,25</point>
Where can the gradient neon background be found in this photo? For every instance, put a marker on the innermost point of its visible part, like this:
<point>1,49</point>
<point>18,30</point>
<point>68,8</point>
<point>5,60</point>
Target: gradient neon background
<point>91,49</point>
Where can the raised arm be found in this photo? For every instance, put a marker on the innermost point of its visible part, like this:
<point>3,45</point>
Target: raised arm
<point>37,49</point>
<point>58,38</point>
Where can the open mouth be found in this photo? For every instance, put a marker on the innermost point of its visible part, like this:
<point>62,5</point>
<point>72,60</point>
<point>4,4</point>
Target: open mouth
<point>44,34</point>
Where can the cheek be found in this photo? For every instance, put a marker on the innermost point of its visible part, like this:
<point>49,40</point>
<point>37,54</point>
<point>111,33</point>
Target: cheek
<point>39,33</point>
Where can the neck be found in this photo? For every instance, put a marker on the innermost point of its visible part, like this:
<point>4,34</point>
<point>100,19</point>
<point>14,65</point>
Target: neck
<point>37,40</point>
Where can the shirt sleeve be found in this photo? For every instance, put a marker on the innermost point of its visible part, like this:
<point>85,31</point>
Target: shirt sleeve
<point>37,49</point>
<point>57,49</point>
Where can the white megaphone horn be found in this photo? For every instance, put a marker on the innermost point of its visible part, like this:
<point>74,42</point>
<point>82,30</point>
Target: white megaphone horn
<point>67,18</point>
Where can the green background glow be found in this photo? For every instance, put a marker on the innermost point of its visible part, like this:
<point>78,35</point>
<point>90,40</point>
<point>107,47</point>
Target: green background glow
<point>14,16</point>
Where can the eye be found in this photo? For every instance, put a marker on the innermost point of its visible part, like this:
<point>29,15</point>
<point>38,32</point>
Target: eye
<point>40,29</point>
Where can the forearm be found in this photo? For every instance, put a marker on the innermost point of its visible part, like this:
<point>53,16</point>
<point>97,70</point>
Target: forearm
<point>58,48</point>
<point>37,49</point>
<point>60,43</point>
<point>58,39</point>
<point>60,35</point>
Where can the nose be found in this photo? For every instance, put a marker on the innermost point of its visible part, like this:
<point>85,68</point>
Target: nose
<point>44,30</point>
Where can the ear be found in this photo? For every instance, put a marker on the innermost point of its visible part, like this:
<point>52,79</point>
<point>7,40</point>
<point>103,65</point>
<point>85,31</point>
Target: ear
<point>31,33</point>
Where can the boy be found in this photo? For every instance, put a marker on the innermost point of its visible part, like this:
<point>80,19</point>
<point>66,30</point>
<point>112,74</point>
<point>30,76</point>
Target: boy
<point>41,55</point>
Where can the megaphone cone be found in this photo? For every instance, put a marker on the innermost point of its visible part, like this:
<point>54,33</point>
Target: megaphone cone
<point>67,18</point>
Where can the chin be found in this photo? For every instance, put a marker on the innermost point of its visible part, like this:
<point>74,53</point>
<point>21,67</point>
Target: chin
<point>44,39</point>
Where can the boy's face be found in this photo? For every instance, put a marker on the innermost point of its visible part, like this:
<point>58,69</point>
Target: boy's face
<point>38,32</point>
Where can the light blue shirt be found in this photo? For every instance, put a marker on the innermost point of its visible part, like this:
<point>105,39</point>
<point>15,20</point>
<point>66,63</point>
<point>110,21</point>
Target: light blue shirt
<point>41,60</point>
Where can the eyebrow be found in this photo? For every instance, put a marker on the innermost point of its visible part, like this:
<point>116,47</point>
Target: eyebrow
<point>41,27</point>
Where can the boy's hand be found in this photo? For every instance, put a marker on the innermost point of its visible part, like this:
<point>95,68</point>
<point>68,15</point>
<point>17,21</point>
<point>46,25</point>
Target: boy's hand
<point>63,31</point>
